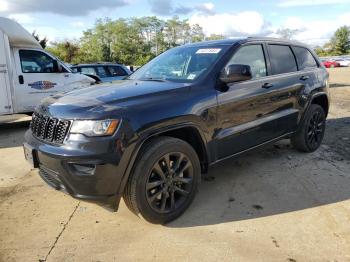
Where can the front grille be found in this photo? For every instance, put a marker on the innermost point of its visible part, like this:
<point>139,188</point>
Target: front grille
<point>50,178</point>
<point>49,129</point>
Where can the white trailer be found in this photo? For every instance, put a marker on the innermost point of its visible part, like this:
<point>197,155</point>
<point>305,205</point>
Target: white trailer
<point>28,73</point>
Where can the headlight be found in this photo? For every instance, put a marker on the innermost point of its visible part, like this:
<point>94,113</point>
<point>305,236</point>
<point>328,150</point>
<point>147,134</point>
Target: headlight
<point>94,127</point>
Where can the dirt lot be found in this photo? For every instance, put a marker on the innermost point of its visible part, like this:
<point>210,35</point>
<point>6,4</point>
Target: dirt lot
<point>272,205</point>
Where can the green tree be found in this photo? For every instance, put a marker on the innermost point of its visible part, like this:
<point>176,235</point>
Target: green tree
<point>320,51</point>
<point>42,42</point>
<point>215,37</point>
<point>197,34</point>
<point>172,32</point>
<point>340,42</point>
<point>132,41</point>
<point>287,33</point>
<point>66,51</point>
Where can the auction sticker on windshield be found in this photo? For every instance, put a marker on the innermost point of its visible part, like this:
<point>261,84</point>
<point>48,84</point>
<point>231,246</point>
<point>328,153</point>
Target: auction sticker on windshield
<point>208,51</point>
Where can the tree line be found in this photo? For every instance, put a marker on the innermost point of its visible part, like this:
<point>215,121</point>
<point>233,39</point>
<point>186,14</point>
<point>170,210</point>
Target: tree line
<point>135,41</point>
<point>339,44</point>
<point>132,41</point>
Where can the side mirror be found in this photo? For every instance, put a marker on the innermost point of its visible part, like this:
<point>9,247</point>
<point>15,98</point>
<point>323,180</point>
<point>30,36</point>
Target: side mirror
<point>57,68</point>
<point>235,73</point>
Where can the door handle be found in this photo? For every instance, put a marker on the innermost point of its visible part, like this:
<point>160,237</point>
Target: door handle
<point>304,78</point>
<point>267,85</point>
<point>21,79</point>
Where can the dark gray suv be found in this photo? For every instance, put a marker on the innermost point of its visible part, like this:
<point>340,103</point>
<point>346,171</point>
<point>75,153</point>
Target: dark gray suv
<point>151,137</point>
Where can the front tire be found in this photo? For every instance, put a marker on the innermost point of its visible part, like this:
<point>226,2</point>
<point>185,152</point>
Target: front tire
<point>164,180</point>
<point>311,132</point>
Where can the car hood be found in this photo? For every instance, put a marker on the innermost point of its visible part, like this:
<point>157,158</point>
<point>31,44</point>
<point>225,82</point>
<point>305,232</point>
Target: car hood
<point>101,101</point>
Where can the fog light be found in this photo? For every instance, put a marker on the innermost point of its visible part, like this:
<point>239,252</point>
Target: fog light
<point>84,170</point>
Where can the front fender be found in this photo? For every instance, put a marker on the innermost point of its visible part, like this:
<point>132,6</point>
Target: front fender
<point>146,136</point>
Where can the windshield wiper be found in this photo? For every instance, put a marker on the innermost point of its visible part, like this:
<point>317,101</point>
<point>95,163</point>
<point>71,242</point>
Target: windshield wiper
<point>153,79</point>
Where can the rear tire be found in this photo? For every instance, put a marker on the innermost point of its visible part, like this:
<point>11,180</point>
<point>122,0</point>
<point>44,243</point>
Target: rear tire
<point>311,132</point>
<point>164,180</point>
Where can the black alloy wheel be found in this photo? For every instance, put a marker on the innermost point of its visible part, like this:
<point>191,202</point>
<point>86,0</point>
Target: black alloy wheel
<point>164,180</point>
<point>311,131</point>
<point>315,129</point>
<point>169,182</point>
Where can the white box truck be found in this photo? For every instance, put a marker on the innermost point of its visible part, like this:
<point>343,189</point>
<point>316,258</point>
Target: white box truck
<point>28,73</point>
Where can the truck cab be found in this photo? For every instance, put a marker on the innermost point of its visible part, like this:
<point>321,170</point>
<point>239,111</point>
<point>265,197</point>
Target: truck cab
<point>28,73</point>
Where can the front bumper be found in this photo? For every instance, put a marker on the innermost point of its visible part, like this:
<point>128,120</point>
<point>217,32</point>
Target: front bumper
<point>86,168</point>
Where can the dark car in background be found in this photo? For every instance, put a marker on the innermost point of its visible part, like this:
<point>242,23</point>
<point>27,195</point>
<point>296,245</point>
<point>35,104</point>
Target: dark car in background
<point>106,72</point>
<point>150,137</point>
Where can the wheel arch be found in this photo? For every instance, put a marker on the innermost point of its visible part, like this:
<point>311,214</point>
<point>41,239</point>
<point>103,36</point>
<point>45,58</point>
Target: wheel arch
<point>188,132</point>
<point>321,100</point>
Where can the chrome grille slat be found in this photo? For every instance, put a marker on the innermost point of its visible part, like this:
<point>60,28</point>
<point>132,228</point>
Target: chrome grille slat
<point>49,129</point>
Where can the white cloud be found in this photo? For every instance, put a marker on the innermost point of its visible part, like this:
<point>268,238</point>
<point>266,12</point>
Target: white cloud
<point>62,7</point>
<point>240,24</point>
<point>290,3</point>
<point>294,23</point>
<point>250,23</point>
<point>168,8</point>
<point>315,32</point>
<point>22,18</point>
<point>4,7</point>
<point>206,8</point>
<point>77,24</point>
<point>54,34</point>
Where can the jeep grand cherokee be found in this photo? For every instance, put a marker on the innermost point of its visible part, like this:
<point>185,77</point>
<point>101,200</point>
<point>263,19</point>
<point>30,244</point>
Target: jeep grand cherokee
<point>149,138</point>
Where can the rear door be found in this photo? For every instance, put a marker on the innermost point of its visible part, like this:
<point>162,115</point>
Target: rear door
<point>5,98</point>
<point>310,73</point>
<point>287,86</point>
<point>35,79</point>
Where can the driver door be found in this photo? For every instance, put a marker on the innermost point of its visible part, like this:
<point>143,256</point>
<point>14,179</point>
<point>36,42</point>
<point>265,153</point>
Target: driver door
<point>247,111</point>
<point>36,79</point>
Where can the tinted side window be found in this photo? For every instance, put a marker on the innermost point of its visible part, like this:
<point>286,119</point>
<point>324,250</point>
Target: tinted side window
<point>101,71</point>
<point>88,70</point>
<point>282,59</point>
<point>35,62</point>
<point>252,55</point>
<point>116,71</point>
<point>305,58</point>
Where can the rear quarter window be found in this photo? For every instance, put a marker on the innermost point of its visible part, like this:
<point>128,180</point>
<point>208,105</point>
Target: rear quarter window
<point>304,58</point>
<point>282,59</point>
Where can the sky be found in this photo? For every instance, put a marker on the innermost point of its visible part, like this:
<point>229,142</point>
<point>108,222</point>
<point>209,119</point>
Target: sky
<point>315,20</point>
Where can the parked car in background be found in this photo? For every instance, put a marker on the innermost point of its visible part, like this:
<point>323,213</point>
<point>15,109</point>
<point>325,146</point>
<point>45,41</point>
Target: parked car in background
<point>330,63</point>
<point>343,61</point>
<point>106,72</point>
<point>150,137</point>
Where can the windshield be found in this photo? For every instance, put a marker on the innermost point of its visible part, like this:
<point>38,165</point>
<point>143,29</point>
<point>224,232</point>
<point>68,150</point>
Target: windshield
<point>183,64</point>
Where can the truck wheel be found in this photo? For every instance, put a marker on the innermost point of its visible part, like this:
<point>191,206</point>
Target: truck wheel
<point>164,181</point>
<point>310,134</point>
